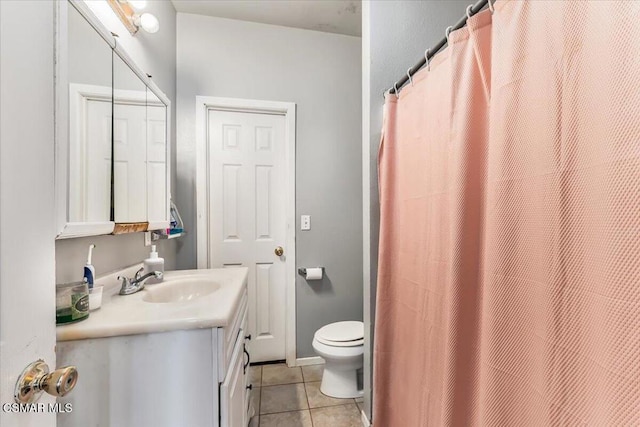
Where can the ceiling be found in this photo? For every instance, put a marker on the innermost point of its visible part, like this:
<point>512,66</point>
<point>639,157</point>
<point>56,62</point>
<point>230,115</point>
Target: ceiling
<point>331,16</point>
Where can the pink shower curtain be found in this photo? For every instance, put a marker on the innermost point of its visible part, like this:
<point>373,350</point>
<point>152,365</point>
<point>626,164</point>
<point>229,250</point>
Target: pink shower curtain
<point>509,263</point>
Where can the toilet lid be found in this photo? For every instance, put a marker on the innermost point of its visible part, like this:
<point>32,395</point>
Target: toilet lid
<point>341,334</point>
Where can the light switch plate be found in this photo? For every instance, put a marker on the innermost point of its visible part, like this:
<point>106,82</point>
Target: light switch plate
<point>305,222</point>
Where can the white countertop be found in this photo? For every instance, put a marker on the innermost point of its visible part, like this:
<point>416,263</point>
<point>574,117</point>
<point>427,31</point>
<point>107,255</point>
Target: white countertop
<point>131,315</point>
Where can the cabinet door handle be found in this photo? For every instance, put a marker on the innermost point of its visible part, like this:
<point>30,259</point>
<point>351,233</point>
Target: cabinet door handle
<point>250,387</point>
<point>248,360</point>
<point>248,337</point>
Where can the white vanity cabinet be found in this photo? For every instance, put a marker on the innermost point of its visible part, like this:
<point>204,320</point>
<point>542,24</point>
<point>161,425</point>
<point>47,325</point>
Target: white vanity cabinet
<point>234,387</point>
<point>193,377</point>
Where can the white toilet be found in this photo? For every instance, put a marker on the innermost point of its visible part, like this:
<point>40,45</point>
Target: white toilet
<point>341,345</point>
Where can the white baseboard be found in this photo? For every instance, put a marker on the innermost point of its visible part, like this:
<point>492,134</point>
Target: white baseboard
<point>365,420</point>
<point>306,361</point>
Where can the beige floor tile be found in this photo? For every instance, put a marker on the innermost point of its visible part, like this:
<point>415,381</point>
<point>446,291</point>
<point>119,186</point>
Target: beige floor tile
<point>282,398</point>
<point>280,374</point>
<point>359,399</point>
<point>254,421</point>
<point>333,416</point>
<point>255,376</point>
<point>312,373</point>
<point>360,406</point>
<point>255,399</point>
<point>287,419</point>
<point>318,400</point>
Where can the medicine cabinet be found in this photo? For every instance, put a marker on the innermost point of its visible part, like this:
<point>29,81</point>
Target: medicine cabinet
<point>112,127</point>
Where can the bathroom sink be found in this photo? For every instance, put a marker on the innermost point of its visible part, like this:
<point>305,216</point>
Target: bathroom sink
<point>180,291</point>
<point>185,299</point>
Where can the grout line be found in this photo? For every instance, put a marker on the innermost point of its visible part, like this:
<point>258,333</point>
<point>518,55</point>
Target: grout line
<point>275,385</point>
<point>308,403</point>
<point>281,412</point>
<point>337,404</point>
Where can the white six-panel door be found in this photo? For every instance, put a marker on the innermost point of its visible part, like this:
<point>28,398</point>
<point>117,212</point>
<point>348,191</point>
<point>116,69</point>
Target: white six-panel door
<point>156,163</point>
<point>96,197</point>
<point>247,220</point>
<point>130,163</point>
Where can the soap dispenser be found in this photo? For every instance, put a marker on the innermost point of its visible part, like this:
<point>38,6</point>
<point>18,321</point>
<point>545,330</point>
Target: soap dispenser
<point>153,263</point>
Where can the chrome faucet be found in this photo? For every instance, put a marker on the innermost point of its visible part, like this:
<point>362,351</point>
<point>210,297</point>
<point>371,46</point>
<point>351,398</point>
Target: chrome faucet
<point>131,286</point>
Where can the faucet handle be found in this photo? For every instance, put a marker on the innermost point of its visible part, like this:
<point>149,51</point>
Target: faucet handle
<point>158,274</point>
<point>125,285</point>
<point>139,274</point>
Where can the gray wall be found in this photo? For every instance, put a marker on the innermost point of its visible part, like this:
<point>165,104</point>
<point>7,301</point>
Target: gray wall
<point>395,36</point>
<point>155,54</point>
<point>321,73</point>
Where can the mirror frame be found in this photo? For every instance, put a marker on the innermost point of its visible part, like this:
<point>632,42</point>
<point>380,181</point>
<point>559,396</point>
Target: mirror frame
<point>65,228</point>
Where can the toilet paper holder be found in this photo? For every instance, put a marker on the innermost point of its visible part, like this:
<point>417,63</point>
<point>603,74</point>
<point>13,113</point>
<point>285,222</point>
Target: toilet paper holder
<point>303,271</point>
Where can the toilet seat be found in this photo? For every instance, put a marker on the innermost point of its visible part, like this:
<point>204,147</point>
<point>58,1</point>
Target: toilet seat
<point>341,334</point>
<point>355,343</point>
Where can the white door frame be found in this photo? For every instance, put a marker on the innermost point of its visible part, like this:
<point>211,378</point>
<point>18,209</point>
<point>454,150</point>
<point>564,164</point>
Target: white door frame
<point>79,97</point>
<point>204,104</point>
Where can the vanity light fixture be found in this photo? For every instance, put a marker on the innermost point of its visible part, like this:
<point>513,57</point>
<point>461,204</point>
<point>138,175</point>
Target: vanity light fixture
<point>128,12</point>
<point>138,4</point>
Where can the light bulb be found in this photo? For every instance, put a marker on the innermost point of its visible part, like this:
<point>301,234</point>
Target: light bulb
<point>149,23</point>
<point>138,4</point>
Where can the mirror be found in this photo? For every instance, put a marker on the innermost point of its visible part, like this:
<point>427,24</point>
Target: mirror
<point>89,89</point>
<point>129,144</point>
<point>157,172</point>
<point>112,149</point>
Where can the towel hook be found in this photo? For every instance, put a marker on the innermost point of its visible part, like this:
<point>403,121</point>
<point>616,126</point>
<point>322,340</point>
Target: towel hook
<point>395,87</point>
<point>491,8</point>
<point>409,75</point>
<point>469,10</point>
<point>448,31</point>
<point>426,58</point>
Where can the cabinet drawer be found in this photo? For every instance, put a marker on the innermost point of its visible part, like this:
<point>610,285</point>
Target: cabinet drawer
<point>233,390</point>
<point>227,338</point>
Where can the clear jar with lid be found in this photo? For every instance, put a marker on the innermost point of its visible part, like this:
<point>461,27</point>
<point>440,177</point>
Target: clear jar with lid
<point>72,302</point>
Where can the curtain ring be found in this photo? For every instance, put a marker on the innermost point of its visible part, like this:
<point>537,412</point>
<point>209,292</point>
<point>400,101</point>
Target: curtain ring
<point>409,75</point>
<point>426,58</point>
<point>395,88</point>
<point>469,10</point>
<point>448,31</point>
<point>491,8</point>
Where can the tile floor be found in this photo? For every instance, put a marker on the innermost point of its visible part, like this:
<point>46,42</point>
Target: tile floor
<point>291,397</point>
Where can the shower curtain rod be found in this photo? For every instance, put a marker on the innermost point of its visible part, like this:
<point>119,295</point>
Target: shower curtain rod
<point>432,52</point>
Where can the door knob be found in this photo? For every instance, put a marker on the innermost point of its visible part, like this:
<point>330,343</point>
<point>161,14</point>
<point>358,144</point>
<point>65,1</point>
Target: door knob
<point>279,251</point>
<point>36,378</point>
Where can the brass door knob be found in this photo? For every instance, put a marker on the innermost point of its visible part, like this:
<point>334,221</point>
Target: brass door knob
<point>36,378</point>
<point>279,251</point>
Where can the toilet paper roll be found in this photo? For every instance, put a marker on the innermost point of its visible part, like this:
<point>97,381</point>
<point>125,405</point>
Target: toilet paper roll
<point>314,273</point>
